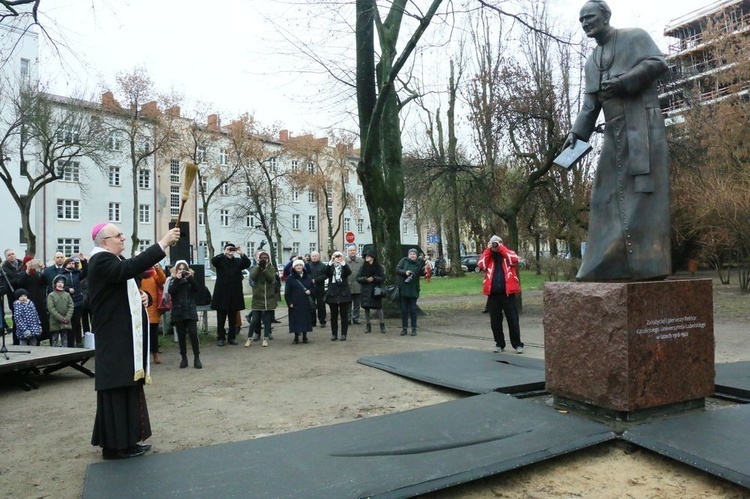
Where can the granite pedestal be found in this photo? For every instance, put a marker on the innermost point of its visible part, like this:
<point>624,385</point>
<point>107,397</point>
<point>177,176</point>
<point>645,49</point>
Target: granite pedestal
<point>628,348</point>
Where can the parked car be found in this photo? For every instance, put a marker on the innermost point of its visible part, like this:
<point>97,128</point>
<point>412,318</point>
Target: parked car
<point>469,263</point>
<point>209,273</point>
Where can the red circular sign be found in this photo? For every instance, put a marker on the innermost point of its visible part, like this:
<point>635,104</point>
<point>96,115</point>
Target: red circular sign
<point>349,237</point>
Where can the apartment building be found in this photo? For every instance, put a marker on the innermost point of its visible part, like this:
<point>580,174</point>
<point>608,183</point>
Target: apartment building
<point>147,196</point>
<point>695,67</point>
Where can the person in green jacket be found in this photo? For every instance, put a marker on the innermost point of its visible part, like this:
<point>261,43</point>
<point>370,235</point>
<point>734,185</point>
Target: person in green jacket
<point>60,306</point>
<point>409,270</point>
<point>263,303</point>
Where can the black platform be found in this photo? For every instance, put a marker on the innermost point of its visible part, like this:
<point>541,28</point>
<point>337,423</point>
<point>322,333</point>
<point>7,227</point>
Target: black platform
<point>715,441</point>
<point>471,371</point>
<point>397,455</point>
<point>24,363</point>
<point>733,379</point>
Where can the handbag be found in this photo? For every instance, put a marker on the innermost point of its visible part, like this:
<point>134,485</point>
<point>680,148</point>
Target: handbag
<point>378,292</point>
<point>393,292</point>
<point>310,300</point>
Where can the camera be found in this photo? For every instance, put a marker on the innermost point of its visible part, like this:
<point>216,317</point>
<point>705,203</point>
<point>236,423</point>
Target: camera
<point>495,244</point>
<point>409,278</point>
<point>184,273</point>
<point>262,263</point>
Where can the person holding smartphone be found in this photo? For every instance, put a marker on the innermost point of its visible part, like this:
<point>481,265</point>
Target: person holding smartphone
<point>501,285</point>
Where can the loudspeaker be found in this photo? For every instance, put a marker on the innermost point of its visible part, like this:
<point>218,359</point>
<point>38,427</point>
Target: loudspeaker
<point>181,250</point>
<point>200,275</point>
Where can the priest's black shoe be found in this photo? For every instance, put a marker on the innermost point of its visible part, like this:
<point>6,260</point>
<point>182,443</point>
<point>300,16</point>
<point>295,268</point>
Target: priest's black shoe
<point>122,454</point>
<point>144,447</point>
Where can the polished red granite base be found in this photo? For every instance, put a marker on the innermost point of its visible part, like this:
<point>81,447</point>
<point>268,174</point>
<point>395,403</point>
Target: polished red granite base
<point>629,346</point>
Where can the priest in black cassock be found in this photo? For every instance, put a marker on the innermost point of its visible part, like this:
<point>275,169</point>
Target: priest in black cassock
<point>120,326</point>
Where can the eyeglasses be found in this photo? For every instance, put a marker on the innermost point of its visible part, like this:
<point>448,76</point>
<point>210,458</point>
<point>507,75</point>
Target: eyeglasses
<point>118,235</point>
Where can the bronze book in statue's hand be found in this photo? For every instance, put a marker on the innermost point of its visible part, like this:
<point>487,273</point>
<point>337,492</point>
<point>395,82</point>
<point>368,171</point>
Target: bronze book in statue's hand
<point>572,155</point>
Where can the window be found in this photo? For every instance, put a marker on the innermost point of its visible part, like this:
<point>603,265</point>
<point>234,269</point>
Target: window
<point>200,154</point>
<point>144,178</point>
<point>360,248</point>
<point>143,244</point>
<point>174,200</point>
<point>67,133</point>
<point>295,165</point>
<point>223,157</point>
<point>201,217</point>
<point>69,171</point>
<point>360,201</point>
<point>405,227</point>
<point>313,247</point>
<point>347,224</point>
<point>295,248</point>
<point>295,195</point>
<point>272,164</point>
<point>250,221</point>
<point>295,222</point>
<point>312,223</point>
<point>68,209</point>
<point>360,225</point>
<point>114,212</point>
<point>202,250</point>
<point>311,196</point>
<point>224,189</point>
<point>174,171</point>
<point>144,213</point>
<point>329,204</point>
<point>311,168</point>
<point>26,70</point>
<point>69,245</point>
<point>114,142</point>
<point>114,176</point>
<point>224,218</point>
<point>250,248</point>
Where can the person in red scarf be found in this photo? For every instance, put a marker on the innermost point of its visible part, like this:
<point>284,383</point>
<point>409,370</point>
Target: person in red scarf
<point>501,285</point>
<point>152,282</point>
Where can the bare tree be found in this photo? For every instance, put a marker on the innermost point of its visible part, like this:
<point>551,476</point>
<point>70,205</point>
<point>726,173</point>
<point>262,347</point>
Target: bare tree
<point>260,174</point>
<point>146,129</point>
<point>47,137</point>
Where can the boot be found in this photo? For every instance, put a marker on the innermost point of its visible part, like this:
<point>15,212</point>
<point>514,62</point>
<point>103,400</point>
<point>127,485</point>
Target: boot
<point>343,337</point>
<point>334,336</point>
<point>197,362</point>
<point>368,328</point>
<point>304,338</point>
<point>413,331</point>
<point>403,331</point>
<point>183,362</point>
<point>382,327</point>
<point>295,341</point>
<point>157,358</point>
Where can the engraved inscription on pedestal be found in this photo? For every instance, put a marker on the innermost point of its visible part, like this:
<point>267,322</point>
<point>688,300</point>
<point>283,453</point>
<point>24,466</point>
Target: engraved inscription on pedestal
<point>629,346</point>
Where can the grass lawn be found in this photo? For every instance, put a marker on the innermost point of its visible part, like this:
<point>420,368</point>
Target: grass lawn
<point>471,284</point>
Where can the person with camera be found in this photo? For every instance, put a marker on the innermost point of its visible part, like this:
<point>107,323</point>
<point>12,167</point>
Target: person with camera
<point>339,297</point>
<point>228,298</point>
<point>264,300</point>
<point>501,285</point>
<point>184,289</point>
<point>409,269</point>
<point>371,277</point>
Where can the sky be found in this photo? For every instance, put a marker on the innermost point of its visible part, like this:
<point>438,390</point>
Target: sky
<point>228,55</point>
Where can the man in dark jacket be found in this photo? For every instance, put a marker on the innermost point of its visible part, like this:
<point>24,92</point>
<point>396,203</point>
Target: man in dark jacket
<point>122,354</point>
<point>319,276</point>
<point>228,298</point>
<point>53,271</point>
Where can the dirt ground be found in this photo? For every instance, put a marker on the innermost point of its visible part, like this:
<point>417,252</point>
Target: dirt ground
<point>244,393</point>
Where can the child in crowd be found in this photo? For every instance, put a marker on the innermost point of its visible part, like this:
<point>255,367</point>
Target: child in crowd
<point>26,319</point>
<point>60,306</point>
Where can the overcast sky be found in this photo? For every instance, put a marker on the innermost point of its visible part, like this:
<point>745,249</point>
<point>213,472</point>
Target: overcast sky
<point>220,51</point>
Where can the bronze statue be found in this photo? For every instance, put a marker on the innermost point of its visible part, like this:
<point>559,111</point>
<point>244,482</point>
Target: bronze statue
<point>629,229</point>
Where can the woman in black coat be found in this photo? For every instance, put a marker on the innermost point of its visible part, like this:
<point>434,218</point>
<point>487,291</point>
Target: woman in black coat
<point>183,289</point>
<point>339,296</point>
<point>298,292</point>
<point>33,282</point>
<point>228,298</point>
<point>371,276</point>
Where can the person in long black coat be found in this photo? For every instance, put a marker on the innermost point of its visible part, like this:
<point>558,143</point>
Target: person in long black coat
<point>371,275</point>
<point>183,289</point>
<point>121,341</point>
<point>228,298</point>
<point>339,296</point>
<point>298,292</point>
